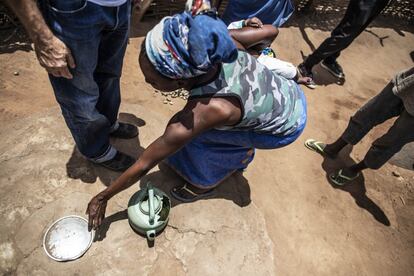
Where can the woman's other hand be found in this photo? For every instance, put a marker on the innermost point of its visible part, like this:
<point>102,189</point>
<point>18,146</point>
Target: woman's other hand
<point>253,22</point>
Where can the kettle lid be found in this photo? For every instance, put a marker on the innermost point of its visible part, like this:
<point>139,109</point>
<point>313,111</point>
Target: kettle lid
<point>144,205</point>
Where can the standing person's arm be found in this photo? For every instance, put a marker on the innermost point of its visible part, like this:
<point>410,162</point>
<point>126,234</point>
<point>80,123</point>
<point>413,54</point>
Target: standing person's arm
<point>51,52</point>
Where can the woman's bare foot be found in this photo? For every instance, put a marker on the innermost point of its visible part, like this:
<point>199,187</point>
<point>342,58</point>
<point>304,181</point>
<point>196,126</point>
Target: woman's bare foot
<point>304,80</point>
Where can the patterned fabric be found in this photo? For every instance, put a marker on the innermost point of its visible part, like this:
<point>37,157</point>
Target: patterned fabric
<point>183,46</point>
<point>271,104</point>
<point>197,6</point>
<point>268,52</point>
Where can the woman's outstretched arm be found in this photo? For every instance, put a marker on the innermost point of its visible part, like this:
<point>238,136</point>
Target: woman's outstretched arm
<point>196,117</point>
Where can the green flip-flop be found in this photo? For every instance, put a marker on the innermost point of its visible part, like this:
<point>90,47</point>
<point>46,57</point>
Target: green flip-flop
<point>316,146</point>
<point>340,179</point>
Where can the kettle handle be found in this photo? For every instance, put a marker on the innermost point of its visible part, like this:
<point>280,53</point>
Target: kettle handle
<point>151,203</point>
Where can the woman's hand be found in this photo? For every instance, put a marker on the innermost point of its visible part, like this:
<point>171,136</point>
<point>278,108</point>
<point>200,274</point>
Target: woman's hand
<point>253,22</point>
<point>96,211</point>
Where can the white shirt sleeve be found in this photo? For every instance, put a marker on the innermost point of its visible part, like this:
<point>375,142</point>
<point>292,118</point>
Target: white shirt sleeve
<point>280,67</point>
<point>235,25</point>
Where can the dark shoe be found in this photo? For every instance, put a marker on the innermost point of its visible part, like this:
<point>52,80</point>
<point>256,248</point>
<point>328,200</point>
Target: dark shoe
<point>125,131</point>
<point>121,162</point>
<point>307,73</point>
<point>188,193</point>
<point>334,68</point>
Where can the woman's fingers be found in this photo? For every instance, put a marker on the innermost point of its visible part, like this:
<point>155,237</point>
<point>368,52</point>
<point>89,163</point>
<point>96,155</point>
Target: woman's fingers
<point>96,213</point>
<point>90,217</point>
<point>254,22</point>
<point>93,214</point>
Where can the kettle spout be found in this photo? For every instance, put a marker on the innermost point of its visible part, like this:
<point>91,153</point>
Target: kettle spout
<point>151,235</point>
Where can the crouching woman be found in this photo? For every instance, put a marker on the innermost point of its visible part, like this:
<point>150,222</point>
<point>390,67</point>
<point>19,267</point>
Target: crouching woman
<point>235,106</point>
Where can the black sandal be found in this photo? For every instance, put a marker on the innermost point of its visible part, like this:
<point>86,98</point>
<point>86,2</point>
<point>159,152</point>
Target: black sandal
<point>177,192</point>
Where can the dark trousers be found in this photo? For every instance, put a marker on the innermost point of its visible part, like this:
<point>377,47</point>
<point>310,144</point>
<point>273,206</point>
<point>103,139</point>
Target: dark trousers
<point>97,37</point>
<point>376,111</point>
<point>358,16</point>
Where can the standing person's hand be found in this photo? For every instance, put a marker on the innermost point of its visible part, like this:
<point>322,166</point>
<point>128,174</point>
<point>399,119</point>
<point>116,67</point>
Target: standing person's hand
<point>51,52</point>
<point>96,211</point>
<point>253,22</point>
<point>55,57</point>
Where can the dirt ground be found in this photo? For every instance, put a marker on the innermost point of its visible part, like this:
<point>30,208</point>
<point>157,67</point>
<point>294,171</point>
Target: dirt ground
<point>281,217</point>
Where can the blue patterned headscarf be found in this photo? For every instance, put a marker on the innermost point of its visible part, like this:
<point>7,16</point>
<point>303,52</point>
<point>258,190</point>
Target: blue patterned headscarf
<point>185,46</point>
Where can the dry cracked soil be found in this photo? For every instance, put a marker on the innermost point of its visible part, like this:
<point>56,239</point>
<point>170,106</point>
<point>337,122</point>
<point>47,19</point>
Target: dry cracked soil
<point>280,217</point>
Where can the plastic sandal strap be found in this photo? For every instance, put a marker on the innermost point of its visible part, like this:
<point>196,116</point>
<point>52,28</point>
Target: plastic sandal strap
<point>188,190</point>
<point>346,177</point>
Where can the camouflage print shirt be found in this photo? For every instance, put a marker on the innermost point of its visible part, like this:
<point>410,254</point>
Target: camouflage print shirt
<point>270,103</point>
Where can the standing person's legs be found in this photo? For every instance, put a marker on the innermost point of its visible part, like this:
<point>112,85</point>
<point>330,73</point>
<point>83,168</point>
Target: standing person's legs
<point>358,16</point>
<point>377,110</point>
<point>382,107</point>
<point>382,149</point>
<point>109,68</point>
<point>330,64</point>
<point>81,30</point>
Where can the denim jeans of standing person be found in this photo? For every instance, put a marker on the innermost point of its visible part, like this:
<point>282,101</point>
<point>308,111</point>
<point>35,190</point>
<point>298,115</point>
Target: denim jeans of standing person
<point>97,37</point>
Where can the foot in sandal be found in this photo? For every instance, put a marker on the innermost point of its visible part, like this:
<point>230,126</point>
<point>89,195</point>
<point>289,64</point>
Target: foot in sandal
<point>306,76</point>
<point>306,81</point>
<point>343,176</point>
<point>190,193</point>
<point>319,147</point>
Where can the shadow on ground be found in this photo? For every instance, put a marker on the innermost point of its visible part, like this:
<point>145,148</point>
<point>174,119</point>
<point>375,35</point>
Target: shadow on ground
<point>323,77</point>
<point>404,158</point>
<point>80,168</point>
<point>356,188</point>
<point>235,188</point>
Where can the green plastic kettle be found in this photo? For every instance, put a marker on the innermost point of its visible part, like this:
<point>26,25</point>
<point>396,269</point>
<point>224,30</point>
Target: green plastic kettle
<point>148,211</point>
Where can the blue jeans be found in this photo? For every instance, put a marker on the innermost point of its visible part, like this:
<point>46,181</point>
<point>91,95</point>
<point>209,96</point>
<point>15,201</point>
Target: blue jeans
<point>97,37</point>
